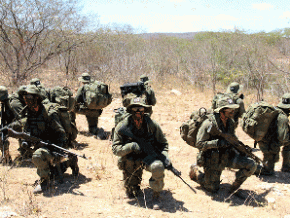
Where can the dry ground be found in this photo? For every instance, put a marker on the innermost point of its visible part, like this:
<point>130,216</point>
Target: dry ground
<point>98,192</point>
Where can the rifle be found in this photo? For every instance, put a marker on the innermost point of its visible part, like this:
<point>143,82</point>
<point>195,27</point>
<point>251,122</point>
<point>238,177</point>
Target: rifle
<point>240,146</point>
<point>137,88</point>
<point>25,136</point>
<point>146,146</point>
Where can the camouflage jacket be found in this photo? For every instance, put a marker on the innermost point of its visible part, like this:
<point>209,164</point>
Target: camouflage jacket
<point>150,131</point>
<point>41,125</point>
<point>150,95</point>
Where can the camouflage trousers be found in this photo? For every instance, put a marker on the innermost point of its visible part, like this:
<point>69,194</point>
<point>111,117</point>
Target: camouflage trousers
<point>270,150</point>
<point>215,162</point>
<point>48,164</point>
<point>133,170</point>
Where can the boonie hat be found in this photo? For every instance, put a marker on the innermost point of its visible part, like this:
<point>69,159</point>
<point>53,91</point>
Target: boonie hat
<point>225,102</point>
<point>285,101</point>
<point>35,81</point>
<point>234,88</point>
<point>85,78</point>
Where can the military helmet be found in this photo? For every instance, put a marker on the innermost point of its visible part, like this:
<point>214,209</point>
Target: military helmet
<point>225,102</point>
<point>35,81</point>
<point>138,102</point>
<point>234,88</point>
<point>285,101</point>
<point>33,90</point>
<point>144,78</point>
<point>85,78</point>
<point>3,93</point>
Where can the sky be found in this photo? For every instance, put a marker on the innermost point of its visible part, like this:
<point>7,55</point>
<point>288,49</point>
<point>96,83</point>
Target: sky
<point>179,16</point>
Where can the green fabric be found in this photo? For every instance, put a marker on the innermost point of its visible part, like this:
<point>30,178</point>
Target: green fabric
<point>257,119</point>
<point>215,159</point>
<point>62,96</point>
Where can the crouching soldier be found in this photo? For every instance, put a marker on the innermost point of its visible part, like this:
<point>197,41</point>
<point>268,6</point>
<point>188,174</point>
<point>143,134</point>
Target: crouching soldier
<point>216,153</point>
<point>133,155</point>
<point>38,123</point>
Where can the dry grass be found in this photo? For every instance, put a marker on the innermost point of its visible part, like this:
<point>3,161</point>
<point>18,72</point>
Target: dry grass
<point>98,192</point>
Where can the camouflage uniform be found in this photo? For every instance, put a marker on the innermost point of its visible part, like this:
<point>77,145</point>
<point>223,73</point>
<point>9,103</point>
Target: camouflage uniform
<point>150,94</point>
<point>234,89</point>
<point>17,101</point>
<point>7,116</point>
<point>276,137</point>
<point>49,129</point>
<point>92,115</point>
<point>44,92</point>
<point>216,153</point>
<point>131,162</point>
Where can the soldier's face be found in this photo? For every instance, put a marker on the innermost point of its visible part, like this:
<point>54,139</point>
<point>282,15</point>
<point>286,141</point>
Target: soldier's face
<point>138,112</point>
<point>229,113</point>
<point>31,101</point>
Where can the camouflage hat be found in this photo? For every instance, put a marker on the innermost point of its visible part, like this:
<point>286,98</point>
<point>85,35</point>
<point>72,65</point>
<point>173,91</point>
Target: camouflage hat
<point>234,88</point>
<point>285,101</point>
<point>21,90</point>
<point>33,90</point>
<point>138,102</point>
<point>85,78</point>
<point>35,81</point>
<point>3,93</point>
<point>225,102</point>
<point>144,78</point>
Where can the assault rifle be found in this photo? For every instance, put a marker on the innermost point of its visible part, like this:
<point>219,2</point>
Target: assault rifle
<point>240,146</point>
<point>148,149</point>
<point>137,88</point>
<point>26,137</point>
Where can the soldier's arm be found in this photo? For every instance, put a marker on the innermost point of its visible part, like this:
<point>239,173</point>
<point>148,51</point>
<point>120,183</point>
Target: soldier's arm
<point>58,131</point>
<point>163,145</point>
<point>242,107</point>
<point>204,140</point>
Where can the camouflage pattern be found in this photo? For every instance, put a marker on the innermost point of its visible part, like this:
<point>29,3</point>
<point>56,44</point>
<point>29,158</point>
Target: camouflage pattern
<point>92,115</point>
<point>85,78</point>
<point>131,163</point>
<point>214,156</point>
<point>17,101</point>
<point>44,126</point>
<point>150,94</point>
<point>234,87</point>
<point>277,137</point>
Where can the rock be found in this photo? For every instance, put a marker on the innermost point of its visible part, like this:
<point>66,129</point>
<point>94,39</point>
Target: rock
<point>176,92</point>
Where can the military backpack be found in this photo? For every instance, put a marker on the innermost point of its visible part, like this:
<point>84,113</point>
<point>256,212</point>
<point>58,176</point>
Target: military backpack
<point>220,95</point>
<point>257,119</point>
<point>189,129</point>
<point>62,96</point>
<point>96,95</point>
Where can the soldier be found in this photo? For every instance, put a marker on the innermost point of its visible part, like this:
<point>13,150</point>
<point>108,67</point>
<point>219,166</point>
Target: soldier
<point>234,89</point>
<point>48,128</point>
<point>132,158</point>
<point>216,153</point>
<point>92,115</point>
<point>17,101</point>
<point>7,116</point>
<point>150,94</point>
<point>276,137</point>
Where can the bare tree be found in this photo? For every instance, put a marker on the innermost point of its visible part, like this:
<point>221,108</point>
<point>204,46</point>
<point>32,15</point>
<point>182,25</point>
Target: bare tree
<point>33,31</point>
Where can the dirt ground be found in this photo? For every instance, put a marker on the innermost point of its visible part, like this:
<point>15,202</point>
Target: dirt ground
<point>99,192</point>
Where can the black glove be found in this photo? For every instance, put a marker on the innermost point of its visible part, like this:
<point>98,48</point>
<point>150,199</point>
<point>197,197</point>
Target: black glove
<point>222,143</point>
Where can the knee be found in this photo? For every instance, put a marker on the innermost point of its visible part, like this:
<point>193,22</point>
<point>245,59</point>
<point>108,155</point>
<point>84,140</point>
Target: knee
<point>157,167</point>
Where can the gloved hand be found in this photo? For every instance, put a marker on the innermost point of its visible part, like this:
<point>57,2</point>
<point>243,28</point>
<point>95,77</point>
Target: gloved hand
<point>222,143</point>
<point>135,147</point>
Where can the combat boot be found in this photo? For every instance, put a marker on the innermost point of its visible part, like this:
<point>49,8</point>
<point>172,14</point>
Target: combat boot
<point>74,166</point>
<point>44,185</point>
<point>236,185</point>
<point>193,173</point>
<point>286,161</point>
<point>156,201</point>
<point>133,191</point>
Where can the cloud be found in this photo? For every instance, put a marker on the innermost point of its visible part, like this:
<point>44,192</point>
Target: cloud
<point>286,14</point>
<point>262,6</point>
<point>225,17</point>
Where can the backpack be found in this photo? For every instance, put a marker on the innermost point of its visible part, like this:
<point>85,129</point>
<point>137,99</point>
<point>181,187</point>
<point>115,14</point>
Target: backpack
<point>189,129</point>
<point>64,117</point>
<point>62,96</point>
<point>96,95</point>
<point>257,119</point>
<point>132,90</point>
<point>220,95</point>
<point>120,114</point>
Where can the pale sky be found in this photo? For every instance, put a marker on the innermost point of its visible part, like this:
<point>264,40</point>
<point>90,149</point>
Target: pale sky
<point>192,15</point>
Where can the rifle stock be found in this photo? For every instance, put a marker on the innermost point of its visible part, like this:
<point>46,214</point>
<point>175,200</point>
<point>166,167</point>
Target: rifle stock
<point>33,139</point>
<point>240,146</point>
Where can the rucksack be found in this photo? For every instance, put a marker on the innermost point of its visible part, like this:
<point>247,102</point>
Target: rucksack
<point>132,90</point>
<point>62,96</point>
<point>257,119</point>
<point>220,95</point>
<point>189,129</point>
<point>64,117</point>
<point>120,114</point>
<point>96,95</point>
